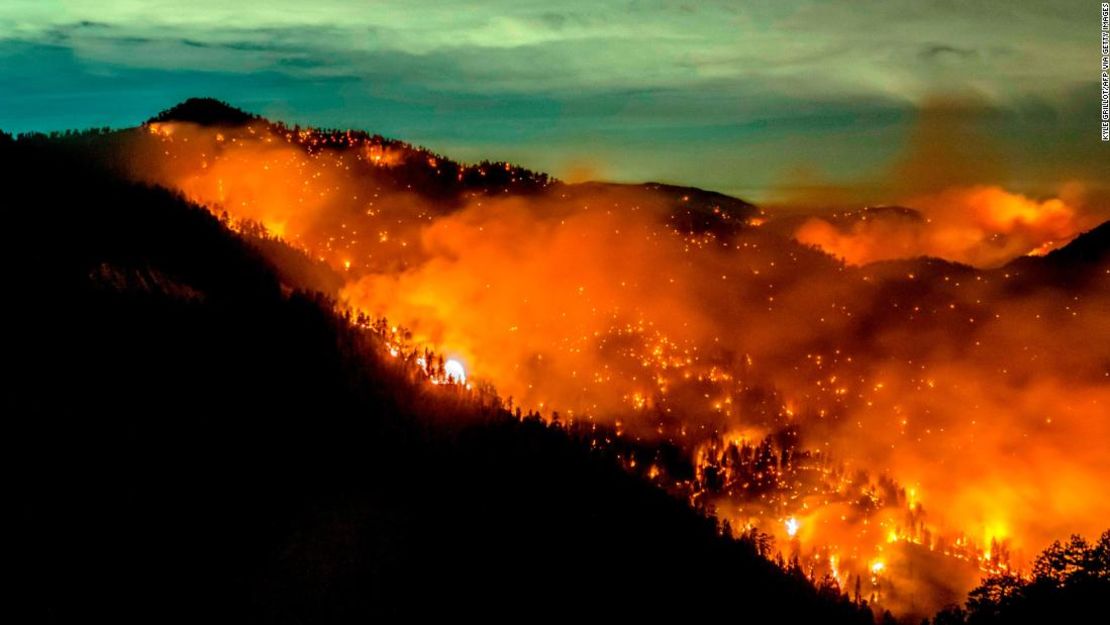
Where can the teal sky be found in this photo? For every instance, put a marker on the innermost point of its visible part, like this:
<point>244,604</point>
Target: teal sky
<point>734,96</point>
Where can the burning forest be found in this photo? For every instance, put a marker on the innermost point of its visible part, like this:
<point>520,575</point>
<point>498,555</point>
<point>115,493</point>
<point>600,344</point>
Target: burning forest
<point>514,311</point>
<point>896,399</point>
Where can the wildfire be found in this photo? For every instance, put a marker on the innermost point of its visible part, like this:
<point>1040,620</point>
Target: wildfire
<point>160,129</point>
<point>799,391</point>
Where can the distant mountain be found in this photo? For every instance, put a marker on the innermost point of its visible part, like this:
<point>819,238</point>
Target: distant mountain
<point>439,177</point>
<point>206,112</point>
<point>691,209</point>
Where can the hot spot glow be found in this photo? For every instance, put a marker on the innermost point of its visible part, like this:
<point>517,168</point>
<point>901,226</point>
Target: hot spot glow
<point>454,371</point>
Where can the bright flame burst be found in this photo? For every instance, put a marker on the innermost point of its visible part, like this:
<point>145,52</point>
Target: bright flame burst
<point>454,371</point>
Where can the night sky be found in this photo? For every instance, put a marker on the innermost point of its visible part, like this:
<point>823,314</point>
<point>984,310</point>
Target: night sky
<point>744,97</point>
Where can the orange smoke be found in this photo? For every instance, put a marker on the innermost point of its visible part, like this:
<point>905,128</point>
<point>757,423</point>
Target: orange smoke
<point>982,226</point>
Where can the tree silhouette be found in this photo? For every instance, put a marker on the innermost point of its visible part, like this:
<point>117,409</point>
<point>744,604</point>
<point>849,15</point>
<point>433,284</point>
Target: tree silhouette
<point>1070,581</point>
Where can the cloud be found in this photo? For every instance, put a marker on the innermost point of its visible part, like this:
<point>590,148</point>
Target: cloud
<point>933,52</point>
<point>629,79</point>
<point>586,44</point>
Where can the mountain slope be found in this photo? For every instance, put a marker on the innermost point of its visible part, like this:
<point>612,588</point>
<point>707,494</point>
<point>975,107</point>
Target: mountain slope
<point>191,441</point>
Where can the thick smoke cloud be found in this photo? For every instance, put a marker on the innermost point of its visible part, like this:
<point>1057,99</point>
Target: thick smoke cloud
<point>982,226</point>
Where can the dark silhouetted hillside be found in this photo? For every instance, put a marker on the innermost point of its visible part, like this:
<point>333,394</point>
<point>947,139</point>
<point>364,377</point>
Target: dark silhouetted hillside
<point>1072,266</point>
